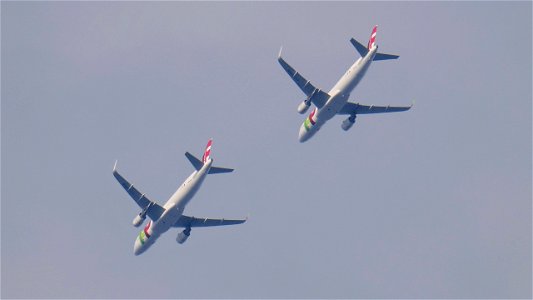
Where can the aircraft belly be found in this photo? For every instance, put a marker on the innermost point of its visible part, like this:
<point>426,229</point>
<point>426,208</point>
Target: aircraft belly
<point>168,219</point>
<point>333,106</point>
<point>325,114</point>
<point>189,191</point>
<point>173,211</point>
<point>348,83</point>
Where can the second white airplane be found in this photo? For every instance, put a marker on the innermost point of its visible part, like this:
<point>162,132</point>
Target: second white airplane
<point>327,105</point>
<point>171,214</point>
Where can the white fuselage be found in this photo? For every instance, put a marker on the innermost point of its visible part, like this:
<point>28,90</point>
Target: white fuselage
<point>339,95</point>
<point>173,210</point>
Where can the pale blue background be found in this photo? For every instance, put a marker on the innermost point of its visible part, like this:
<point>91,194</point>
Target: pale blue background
<point>434,202</point>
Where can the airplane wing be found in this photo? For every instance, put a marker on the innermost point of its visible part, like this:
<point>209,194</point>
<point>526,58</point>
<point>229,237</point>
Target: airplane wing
<point>185,221</point>
<point>316,95</point>
<point>355,108</point>
<point>154,210</point>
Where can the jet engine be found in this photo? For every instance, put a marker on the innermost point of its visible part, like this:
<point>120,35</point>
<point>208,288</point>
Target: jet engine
<point>183,236</point>
<point>348,123</point>
<point>304,106</point>
<point>139,219</point>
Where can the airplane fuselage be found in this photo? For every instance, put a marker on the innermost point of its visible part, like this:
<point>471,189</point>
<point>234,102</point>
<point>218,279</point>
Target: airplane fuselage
<point>174,208</point>
<point>339,96</point>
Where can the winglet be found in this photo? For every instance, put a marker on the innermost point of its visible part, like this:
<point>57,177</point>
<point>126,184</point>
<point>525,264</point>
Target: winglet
<point>115,166</point>
<point>280,49</point>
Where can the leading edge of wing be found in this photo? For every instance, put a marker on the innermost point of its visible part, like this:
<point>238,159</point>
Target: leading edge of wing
<point>355,108</point>
<point>316,95</point>
<point>186,221</point>
<point>154,210</point>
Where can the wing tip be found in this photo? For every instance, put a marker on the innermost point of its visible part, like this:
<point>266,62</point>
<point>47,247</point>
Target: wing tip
<point>280,50</point>
<point>115,165</point>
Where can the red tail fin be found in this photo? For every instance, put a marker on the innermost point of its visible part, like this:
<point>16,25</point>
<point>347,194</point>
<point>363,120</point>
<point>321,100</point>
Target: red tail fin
<point>207,152</point>
<point>372,40</point>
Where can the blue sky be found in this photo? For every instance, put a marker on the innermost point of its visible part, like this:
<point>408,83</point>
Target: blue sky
<point>430,203</point>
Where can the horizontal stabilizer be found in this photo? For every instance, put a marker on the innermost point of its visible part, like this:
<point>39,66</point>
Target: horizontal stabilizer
<point>363,51</point>
<point>197,164</point>
<point>218,170</point>
<point>383,56</point>
<point>359,47</point>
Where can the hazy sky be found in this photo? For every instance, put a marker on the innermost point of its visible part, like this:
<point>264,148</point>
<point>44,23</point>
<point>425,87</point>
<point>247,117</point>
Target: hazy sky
<point>433,202</point>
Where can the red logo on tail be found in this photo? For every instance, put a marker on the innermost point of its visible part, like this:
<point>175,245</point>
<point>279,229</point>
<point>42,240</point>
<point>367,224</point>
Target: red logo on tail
<point>372,40</point>
<point>207,152</point>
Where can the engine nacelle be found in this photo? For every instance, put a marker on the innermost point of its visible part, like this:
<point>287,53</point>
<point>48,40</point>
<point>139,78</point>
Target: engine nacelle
<point>138,220</point>
<point>304,106</point>
<point>348,123</point>
<point>183,236</point>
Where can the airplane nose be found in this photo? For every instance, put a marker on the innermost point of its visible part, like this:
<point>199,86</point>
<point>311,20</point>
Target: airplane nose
<point>137,247</point>
<point>302,135</point>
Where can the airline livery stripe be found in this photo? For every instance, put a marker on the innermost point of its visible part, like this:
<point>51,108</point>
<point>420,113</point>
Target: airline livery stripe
<point>141,238</point>
<point>207,151</point>
<point>372,40</point>
<point>307,124</point>
<point>311,115</point>
<point>144,235</point>
<point>146,229</point>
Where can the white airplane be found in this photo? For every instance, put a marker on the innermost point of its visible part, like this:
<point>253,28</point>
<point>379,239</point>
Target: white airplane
<point>171,214</point>
<point>336,100</point>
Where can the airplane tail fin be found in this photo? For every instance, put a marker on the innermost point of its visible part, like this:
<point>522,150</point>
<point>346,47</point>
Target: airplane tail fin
<point>372,40</point>
<point>363,51</point>
<point>198,164</point>
<point>207,151</point>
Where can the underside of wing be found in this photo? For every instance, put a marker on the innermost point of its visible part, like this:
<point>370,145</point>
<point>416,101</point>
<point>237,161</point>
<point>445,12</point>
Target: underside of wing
<point>185,221</point>
<point>154,210</point>
<point>316,95</point>
<point>356,108</point>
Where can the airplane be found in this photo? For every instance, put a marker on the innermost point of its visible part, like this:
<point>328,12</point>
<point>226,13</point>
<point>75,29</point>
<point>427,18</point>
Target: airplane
<point>171,214</point>
<point>327,105</point>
